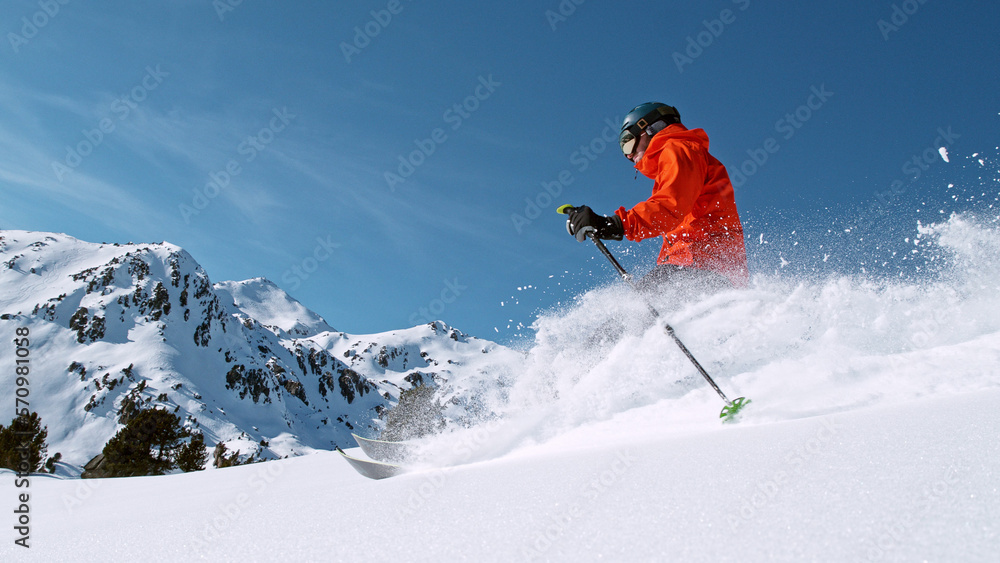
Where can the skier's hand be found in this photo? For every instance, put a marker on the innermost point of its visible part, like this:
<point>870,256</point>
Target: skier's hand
<point>582,220</point>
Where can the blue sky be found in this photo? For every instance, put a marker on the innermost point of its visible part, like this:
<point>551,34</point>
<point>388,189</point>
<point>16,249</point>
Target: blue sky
<point>390,162</point>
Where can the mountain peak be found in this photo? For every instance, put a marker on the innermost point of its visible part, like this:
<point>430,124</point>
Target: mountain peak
<point>262,300</point>
<point>118,328</point>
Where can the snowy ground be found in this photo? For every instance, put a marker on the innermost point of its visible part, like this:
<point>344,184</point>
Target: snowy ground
<point>871,437</point>
<point>910,482</point>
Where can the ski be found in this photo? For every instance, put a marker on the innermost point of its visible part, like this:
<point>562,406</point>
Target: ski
<point>385,451</point>
<point>373,469</point>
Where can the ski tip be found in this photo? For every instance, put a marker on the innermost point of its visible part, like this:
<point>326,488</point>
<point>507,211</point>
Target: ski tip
<point>731,412</point>
<point>361,440</point>
<point>372,469</point>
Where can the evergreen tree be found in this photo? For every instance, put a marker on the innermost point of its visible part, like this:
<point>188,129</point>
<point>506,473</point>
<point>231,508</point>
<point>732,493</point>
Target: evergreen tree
<point>193,456</point>
<point>148,445</point>
<point>22,444</point>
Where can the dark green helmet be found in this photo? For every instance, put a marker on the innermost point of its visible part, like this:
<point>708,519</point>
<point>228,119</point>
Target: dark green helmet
<point>641,117</point>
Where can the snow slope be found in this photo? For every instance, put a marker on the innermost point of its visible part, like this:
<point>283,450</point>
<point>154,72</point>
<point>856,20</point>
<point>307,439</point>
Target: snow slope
<point>264,301</point>
<point>870,438</point>
<point>911,482</point>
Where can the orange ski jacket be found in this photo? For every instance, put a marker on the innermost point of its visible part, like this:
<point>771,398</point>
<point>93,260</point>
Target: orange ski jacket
<point>692,206</point>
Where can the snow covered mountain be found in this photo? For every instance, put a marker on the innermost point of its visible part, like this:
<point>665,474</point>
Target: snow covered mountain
<point>119,327</point>
<point>265,302</point>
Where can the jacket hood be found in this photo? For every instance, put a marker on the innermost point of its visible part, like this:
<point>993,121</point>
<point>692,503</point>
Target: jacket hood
<point>649,163</point>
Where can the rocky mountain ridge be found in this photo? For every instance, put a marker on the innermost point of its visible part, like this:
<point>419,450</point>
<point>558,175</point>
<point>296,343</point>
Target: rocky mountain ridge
<point>116,328</point>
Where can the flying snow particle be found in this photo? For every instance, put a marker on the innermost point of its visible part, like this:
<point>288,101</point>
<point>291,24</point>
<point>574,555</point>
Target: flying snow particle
<point>944,154</point>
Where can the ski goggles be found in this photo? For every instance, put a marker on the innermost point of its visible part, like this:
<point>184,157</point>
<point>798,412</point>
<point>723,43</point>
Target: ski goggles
<point>628,141</point>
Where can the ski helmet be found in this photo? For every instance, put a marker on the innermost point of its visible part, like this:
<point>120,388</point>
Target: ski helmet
<point>641,117</point>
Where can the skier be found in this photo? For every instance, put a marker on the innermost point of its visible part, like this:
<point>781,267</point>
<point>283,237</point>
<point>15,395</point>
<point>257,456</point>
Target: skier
<point>692,206</point>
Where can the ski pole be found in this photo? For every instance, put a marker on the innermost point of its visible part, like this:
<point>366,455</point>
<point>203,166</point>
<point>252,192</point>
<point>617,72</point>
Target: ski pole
<point>732,407</point>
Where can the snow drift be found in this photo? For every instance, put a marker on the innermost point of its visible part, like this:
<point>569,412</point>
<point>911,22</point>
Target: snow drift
<point>797,347</point>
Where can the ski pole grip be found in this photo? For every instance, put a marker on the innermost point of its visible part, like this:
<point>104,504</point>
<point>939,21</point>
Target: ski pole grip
<point>585,233</point>
<point>581,235</point>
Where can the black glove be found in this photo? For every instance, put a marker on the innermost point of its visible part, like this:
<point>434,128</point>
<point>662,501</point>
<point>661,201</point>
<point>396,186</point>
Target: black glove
<point>583,220</point>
